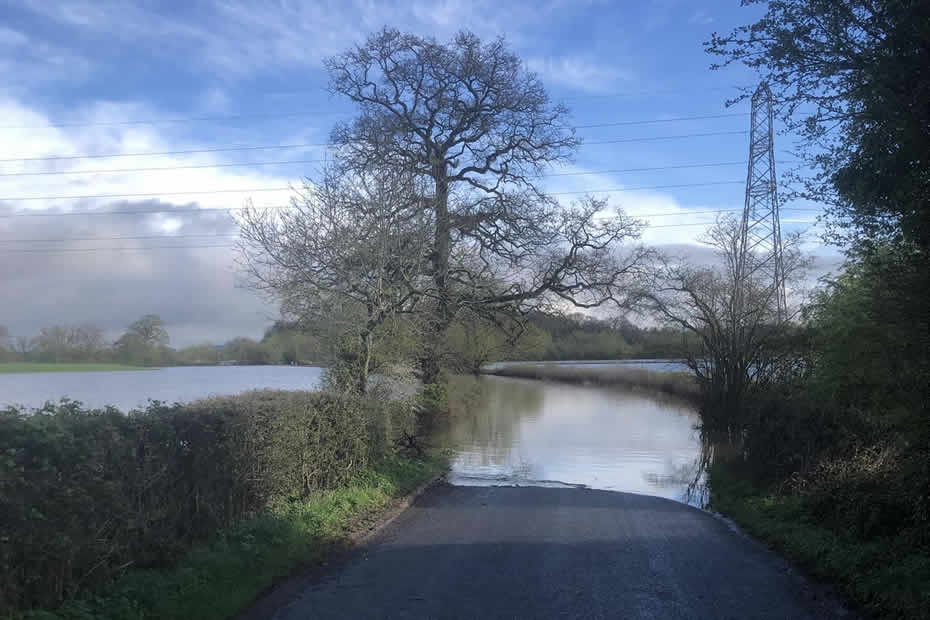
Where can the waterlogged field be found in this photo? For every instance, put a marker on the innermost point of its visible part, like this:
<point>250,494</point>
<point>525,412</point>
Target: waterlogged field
<point>22,367</point>
<point>128,388</point>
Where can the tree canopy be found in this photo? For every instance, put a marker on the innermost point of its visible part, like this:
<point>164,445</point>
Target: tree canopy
<point>469,120</point>
<point>853,78</point>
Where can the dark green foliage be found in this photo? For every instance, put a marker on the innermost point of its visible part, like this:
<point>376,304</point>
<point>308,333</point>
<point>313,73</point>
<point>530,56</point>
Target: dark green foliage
<point>84,494</point>
<point>847,447</point>
<point>675,383</point>
<point>581,337</point>
<point>851,77</point>
<point>432,402</point>
<point>886,574</point>
<point>218,577</point>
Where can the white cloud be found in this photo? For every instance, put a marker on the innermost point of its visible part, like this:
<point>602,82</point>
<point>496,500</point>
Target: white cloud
<point>578,73</point>
<point>193,288</point>
<point>701,17</point>
<point>28,135</point>
<point>236,39</point>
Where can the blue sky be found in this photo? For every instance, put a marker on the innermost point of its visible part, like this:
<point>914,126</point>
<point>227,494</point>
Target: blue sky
<point>79,75</point>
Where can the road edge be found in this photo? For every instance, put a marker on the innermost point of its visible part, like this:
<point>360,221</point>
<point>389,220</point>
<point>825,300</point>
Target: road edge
<point>360,532</point>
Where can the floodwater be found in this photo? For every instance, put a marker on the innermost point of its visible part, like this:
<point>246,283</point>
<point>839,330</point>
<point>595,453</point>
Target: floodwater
<point>503,431</point>
<point>520,432</point>
<point>129,389</point>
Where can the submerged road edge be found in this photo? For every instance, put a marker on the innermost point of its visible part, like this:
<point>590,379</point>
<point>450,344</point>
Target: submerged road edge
<point>360,534</point>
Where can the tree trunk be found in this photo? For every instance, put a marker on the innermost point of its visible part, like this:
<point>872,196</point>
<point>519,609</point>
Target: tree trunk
<point>364,363</point>
<point>430,362</point>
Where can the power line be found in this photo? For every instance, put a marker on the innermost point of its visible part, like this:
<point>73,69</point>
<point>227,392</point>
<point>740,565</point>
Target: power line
<point>222,149</point>
<point>707,223</point>
<point>676,137</point>
<point>162,168</point>
<point>286,188</point>
<point>642,187</point>
<point>313,161</point>
<point>322,144</point>
<point>148,194</point>
<point>115,249</point>
<point>664,120</point>
<point>288,206</point>
<point>647,93</point>
<point>231,236</point>
<point>166,121</point>
<point>119,238</point>
<point>294,114</point>
<point>220,210</point>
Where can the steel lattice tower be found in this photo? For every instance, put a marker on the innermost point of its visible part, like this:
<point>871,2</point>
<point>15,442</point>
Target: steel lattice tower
<point>761,250</point>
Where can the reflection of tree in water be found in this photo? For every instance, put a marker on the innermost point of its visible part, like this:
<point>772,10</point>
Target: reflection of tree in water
<point>693,476</point>
<point>485,413</point>
<point>712,446</point>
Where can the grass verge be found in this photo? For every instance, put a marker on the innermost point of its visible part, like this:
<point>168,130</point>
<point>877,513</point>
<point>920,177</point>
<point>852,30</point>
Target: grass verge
<point>676,383</point>
<point>219,578</point>
<point>17,367</point>
<point>888,577</point>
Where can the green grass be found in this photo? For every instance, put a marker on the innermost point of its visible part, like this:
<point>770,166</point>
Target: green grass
<point>676,383</point>
<point>887,577</point>
<point>219,578</point>
<point>11,367</point>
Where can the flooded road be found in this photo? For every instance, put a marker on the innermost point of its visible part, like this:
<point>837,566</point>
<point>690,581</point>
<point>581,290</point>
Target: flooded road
<point>518,432</point>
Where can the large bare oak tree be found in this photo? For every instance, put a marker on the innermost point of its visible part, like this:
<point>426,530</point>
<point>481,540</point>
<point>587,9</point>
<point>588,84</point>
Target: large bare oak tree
<point>472,121</point>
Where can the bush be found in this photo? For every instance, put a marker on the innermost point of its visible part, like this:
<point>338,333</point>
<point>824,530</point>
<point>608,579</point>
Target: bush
<point>675,383</point>
<point>85,494</point>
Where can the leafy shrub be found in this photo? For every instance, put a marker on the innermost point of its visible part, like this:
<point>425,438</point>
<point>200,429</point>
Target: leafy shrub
<point>676,383</point>
<point>85,494</point>
<point>872,492</point>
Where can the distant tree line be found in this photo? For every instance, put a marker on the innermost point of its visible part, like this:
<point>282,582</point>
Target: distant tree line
<point>146,343</point>
<point>473,343</point>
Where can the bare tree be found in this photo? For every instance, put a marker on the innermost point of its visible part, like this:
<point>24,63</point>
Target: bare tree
<point>350,253</point>
<point>479,129</point>
<point>150,329</point>
<point>6,343</point>
<point>23,345</point>
<point>88,340</point>
<point>734,317</point>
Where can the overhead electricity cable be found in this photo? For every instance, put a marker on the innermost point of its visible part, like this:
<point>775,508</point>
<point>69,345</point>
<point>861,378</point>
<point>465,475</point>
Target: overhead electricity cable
<point>120,238</point>
<point>322,144</point>
<point>232,245</point>
<point>222,149</point>
<point>664,120</point>
<point>612,190</point>
<point>149,194</point>
<point>648,93</point>
<point>162,168</point>
<point>113,249</point>
<point>287,188</point>
<point>233,235</point>
<point>313,161</point>
<point>299,113</point>
<point>166,121</point>
<point>223,210</point>
<point>676,137</point>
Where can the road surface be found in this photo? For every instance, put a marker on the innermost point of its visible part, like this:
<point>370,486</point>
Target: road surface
<point>505,552</point>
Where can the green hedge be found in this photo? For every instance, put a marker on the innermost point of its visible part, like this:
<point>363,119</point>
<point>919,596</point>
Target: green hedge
<point>86,494</point>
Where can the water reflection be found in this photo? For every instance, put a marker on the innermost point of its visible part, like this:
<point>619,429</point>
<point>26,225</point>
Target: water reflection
<point>520,432</point>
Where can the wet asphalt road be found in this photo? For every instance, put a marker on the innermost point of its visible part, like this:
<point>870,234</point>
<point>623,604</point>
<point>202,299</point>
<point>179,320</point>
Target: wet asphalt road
<point>503,552</point>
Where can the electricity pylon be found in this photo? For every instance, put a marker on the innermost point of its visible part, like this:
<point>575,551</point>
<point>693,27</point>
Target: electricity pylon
<point>761,262</point>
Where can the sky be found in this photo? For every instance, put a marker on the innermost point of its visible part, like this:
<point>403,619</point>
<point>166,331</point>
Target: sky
<point>95,90</point>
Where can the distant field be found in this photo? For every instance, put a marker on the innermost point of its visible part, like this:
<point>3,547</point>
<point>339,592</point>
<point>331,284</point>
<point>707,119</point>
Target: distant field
<point>35,367</point>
